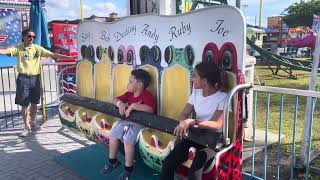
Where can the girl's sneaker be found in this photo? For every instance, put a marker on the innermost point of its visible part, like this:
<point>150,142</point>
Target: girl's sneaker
<point>109,167</point>
<point>125,175</point>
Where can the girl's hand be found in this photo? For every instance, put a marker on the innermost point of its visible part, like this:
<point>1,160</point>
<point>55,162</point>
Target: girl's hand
<point>182,128</point>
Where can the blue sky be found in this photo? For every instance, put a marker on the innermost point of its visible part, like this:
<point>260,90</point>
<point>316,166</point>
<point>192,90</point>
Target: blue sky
<point>70,9</point>
<point>270,8</point>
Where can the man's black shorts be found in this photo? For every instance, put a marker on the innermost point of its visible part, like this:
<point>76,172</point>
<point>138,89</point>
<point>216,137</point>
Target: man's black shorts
<point>28,89</point>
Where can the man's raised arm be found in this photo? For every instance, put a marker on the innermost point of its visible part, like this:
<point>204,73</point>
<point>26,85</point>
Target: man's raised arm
<point>4,51</point>
<point>57,55</point>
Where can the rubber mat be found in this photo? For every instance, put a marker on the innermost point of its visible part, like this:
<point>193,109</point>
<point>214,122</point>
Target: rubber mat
<point>88,161</point>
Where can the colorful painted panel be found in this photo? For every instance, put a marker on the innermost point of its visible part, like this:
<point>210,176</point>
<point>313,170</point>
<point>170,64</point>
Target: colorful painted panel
<point>10,28</point>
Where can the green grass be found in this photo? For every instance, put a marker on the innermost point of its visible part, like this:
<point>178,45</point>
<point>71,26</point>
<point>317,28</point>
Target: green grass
<point>281,80</point>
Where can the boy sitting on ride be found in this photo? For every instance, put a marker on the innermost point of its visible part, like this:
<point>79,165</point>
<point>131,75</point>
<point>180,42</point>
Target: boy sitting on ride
<point>136,98</point>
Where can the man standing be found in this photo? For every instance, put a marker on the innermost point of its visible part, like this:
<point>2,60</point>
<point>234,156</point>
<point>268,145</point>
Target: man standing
<point>28,81</point>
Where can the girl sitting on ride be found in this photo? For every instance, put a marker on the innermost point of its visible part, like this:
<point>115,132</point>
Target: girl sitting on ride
<point>207,100</point>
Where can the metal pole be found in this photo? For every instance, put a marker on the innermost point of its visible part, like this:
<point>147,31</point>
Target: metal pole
<point>255,19</point>
<point>81,10</point>
<point>43,96</point>
<point>260,16</point>
<point>309,110</point>
<point>238,3</point>
<point>280,32</point>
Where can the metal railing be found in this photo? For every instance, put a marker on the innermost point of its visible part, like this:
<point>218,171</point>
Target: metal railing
<point>269,96</point>
<point>9,111</point>
<point>230,96</point>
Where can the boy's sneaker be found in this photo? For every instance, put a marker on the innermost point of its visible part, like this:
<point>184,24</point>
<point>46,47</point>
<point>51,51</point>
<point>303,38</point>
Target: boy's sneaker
<point>125,175</point>
<point>109,167</point>
<point>25,133</point>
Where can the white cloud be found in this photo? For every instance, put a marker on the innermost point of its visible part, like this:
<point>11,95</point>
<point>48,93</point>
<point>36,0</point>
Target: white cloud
<point>70,9</point>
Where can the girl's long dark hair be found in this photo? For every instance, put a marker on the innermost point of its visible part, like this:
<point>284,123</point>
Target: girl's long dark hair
<point>214,74</point>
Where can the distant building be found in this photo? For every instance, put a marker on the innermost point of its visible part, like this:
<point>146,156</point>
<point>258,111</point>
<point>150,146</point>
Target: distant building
<point>276,23</point>
<point>112,17</point>
<point>278,38</point>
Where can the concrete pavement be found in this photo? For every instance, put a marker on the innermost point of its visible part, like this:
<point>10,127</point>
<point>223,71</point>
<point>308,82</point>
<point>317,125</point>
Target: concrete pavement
<point>31,158</point>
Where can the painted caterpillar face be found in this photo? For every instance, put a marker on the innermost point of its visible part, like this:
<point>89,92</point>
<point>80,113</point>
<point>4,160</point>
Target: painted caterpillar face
<point>126,55</point>
<point>88,52</point>
<point>147,54</point>
<point>226,56</point>
<point>179,55</point>
<point>211,53</point>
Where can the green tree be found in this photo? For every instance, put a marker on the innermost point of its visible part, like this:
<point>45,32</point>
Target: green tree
<point>301,14</point>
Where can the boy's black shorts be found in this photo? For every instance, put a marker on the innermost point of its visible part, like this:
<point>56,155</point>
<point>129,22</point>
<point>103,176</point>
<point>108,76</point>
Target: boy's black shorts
<point>28,89</point>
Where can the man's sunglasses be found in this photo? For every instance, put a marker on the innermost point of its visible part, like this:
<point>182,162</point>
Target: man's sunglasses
<point>30,36</point>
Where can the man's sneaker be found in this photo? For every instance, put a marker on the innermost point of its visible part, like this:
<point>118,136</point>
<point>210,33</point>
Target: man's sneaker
<point>109,167</point>
<point>25,133</point>
<point>125,175</point>
<point>34,127</point>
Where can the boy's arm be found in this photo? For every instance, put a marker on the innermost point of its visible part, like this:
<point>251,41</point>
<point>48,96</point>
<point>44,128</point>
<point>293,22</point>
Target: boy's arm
<point>141,107</point>
<point>116,101</point>
<point>122,107</point>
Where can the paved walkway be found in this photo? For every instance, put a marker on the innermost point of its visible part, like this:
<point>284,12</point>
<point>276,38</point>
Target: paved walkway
<point>31,158</point>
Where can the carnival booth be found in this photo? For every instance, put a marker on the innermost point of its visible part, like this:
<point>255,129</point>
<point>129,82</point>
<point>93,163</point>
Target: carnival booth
<point>64,41</point>
<point>168,47</point>
<point>14,15</point>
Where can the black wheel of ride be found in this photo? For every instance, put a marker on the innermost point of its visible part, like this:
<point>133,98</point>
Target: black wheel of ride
<point>111,53</point>
<point>143,53</point>
<point>91,53</point>
<point>226,60</point>
<point>168,54</point>
<point>155,53</point>
<point>99,52</point>
<point>130,57</point>
<point>83,51</point>
<point>120,56</point>
<point>189,55</point>
<point>209,56</point>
